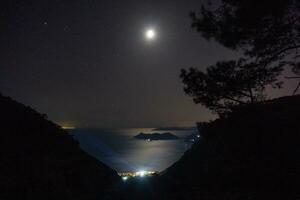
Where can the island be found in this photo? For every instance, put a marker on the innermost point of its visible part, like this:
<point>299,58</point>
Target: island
<point>156,136</point>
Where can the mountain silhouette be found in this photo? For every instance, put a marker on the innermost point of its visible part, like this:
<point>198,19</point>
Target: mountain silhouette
<point>253,153</point>
<point>40,160</point>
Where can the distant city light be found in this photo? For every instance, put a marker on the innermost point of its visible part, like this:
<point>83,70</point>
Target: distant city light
<point>68,127</point>
<point>141,173</point>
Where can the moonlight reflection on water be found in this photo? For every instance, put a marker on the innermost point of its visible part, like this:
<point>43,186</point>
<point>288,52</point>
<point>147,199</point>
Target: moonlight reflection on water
<point>119,150</point>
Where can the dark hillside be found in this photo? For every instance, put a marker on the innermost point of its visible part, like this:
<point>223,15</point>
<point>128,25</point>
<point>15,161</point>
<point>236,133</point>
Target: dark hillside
<point>39,160</point>
<point>254,153</point>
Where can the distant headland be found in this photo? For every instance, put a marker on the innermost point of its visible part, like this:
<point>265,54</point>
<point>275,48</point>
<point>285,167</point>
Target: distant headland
<point>175,128</point>
<point>156,136</point>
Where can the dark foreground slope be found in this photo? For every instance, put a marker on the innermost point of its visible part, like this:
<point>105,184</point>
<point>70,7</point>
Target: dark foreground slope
<point>39,160</point>
<point>252,154</point>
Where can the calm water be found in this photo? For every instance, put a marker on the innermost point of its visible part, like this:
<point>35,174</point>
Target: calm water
<point>120,151</point>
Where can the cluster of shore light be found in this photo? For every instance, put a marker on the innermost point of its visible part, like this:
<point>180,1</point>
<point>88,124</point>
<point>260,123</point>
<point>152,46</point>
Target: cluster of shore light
<point>126,175</point>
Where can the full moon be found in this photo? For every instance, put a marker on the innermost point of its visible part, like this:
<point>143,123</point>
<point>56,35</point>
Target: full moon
<point>150,34</point>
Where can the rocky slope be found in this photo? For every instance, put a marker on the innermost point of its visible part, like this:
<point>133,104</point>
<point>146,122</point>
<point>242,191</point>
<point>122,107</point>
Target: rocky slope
<point>39,160</point>
<point>254,153</point>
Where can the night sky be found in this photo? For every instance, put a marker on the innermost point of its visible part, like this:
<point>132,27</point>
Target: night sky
<point>88,63</point>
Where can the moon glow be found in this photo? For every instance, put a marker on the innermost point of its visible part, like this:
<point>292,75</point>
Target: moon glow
<point>150,34</point>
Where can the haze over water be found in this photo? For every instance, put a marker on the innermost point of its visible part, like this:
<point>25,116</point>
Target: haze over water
<point>118,149</point>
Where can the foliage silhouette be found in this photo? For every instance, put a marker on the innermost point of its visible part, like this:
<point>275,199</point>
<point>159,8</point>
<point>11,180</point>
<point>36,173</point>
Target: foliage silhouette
<point>266,32</point>
<point>229,83</point>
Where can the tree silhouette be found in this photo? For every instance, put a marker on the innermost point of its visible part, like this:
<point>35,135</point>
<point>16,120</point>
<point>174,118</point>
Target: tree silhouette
<point>263,29</point>
<point>266,32</point>
<point>229,83</point>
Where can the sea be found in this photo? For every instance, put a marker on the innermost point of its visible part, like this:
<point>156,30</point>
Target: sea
<point>119,150</point>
